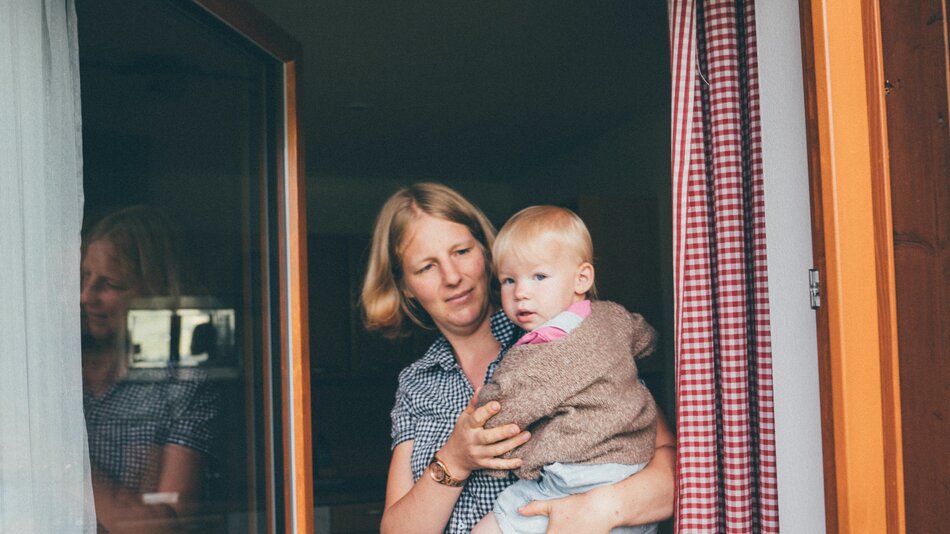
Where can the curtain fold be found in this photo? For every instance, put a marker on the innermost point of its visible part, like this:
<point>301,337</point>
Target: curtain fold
<point>45,483</point>
<point>726,476</point>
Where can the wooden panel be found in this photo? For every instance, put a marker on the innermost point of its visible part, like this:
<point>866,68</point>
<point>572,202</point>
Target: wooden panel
<point>858,278</point>
<point>915,65</point>
<point>884,268</point>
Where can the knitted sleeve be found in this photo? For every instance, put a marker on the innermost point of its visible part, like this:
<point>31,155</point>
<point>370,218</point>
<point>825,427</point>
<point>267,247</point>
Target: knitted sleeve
<point>531,392</point>
<point>644,339</point>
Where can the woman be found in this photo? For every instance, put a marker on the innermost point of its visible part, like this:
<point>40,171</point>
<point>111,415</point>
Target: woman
<point>429,266</point>
<point>149,438</point>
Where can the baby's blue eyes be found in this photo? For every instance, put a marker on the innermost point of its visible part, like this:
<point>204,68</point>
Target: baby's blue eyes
<point>536,277</point>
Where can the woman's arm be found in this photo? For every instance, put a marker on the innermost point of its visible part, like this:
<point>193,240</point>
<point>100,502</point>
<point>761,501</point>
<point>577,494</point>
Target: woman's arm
<point>179,489</point>
<point>425,506</point>
<point>646,497</point>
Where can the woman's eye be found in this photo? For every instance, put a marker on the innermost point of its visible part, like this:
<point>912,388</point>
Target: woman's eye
<point>464,251</point>
<point>425,268</point>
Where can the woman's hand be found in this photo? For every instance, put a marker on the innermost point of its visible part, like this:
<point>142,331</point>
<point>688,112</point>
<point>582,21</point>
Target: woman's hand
<point>471,446</point>
<point>585,512</point>
<point>120,510</point>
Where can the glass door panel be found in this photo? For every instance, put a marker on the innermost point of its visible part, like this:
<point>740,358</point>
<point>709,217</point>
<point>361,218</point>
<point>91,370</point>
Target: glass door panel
<point>185,239</point>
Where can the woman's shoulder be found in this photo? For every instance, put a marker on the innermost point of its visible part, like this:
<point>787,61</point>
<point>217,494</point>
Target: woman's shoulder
<point>438,355</point>
<point>504,330</point>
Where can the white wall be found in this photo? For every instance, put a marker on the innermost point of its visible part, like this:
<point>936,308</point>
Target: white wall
<point>788,227</point>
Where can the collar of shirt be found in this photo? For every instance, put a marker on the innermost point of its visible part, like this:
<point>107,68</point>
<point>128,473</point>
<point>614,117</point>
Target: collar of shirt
<point>559,325</point>
<point>440,352</point>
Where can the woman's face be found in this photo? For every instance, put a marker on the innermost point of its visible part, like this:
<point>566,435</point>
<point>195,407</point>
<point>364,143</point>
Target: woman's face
<point>106,292</point>
<point>444,270</point>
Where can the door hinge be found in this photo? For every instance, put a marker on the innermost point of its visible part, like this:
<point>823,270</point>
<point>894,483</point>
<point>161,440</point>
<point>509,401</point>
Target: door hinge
<point>814,289</point>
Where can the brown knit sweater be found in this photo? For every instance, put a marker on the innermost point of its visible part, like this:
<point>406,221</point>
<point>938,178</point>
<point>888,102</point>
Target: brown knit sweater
<point>579,395</point>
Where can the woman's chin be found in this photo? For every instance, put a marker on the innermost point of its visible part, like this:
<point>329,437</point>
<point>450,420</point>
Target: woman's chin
<point>93,338</point>
<point>468,320</point>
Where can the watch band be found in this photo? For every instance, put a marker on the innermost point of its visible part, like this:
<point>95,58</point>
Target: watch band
<point>440,473</point>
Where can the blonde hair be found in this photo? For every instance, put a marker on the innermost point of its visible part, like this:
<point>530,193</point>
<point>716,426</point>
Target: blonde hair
<point>530,233</point>
<point>147,248</point>
<point>386,308</point>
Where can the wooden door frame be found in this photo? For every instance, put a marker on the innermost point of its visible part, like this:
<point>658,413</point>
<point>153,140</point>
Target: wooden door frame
<point>853,249</point>
<point>294,402</point>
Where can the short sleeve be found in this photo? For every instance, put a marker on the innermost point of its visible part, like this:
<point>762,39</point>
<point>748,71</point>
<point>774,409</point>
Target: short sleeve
<point>404,424</point>
<point>194,414</point>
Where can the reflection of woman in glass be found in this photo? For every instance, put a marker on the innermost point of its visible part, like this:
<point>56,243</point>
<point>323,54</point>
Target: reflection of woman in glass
<point>150,437</point>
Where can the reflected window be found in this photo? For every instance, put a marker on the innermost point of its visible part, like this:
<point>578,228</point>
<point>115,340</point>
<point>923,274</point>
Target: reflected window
<point>188,332</point>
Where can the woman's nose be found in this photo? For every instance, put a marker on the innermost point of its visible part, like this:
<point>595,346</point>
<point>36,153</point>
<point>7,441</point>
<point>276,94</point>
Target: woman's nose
<point>87,293</point>
<point>451,274</point>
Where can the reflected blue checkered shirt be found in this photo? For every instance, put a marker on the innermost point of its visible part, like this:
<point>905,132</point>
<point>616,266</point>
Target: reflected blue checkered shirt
<point>432,393</point>
<point>128,425</point>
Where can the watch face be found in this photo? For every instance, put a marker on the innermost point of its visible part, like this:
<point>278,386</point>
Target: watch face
<point>437,472</point>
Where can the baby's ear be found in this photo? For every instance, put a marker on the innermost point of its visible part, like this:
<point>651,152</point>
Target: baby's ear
<point>584,279</point>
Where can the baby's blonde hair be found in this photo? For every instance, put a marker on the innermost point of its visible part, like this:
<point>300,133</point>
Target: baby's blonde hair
<point>531,232</point>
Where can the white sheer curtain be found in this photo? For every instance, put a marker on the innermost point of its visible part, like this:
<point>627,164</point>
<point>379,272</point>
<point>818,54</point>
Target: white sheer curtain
<point>45,483</point>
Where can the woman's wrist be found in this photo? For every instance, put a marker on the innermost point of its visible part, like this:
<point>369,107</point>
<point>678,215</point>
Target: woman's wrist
<point>606,503</point>
<point>452,464</point>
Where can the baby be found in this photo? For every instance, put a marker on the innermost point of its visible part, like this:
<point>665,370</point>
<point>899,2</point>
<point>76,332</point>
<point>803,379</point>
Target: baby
<point>571,380</point>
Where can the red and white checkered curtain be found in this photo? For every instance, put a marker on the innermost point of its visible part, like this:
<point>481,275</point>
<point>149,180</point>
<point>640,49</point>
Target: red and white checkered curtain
<point>726,477</point>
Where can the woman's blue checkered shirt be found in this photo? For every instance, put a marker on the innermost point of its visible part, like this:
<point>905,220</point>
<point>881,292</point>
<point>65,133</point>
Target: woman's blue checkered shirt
<point>432,393</point>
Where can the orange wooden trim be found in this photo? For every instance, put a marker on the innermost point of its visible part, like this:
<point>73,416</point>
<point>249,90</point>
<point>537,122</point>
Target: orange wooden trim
<point>884,266</point>
<point>818,253</point>
<point>299,493</point>
<point>850,143</point>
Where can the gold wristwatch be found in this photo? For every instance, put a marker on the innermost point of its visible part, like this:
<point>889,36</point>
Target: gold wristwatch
<point>440,474</point>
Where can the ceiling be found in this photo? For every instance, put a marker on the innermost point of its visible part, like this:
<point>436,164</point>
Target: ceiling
<point>469,89</point>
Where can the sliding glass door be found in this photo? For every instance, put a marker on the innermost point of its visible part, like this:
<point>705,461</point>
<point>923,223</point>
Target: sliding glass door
<point>196,389</point>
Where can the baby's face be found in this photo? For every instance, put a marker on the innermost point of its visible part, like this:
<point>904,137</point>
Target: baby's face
<point>535,289</point>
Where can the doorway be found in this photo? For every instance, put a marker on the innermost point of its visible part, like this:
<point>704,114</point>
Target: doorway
<point>511,105</point>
